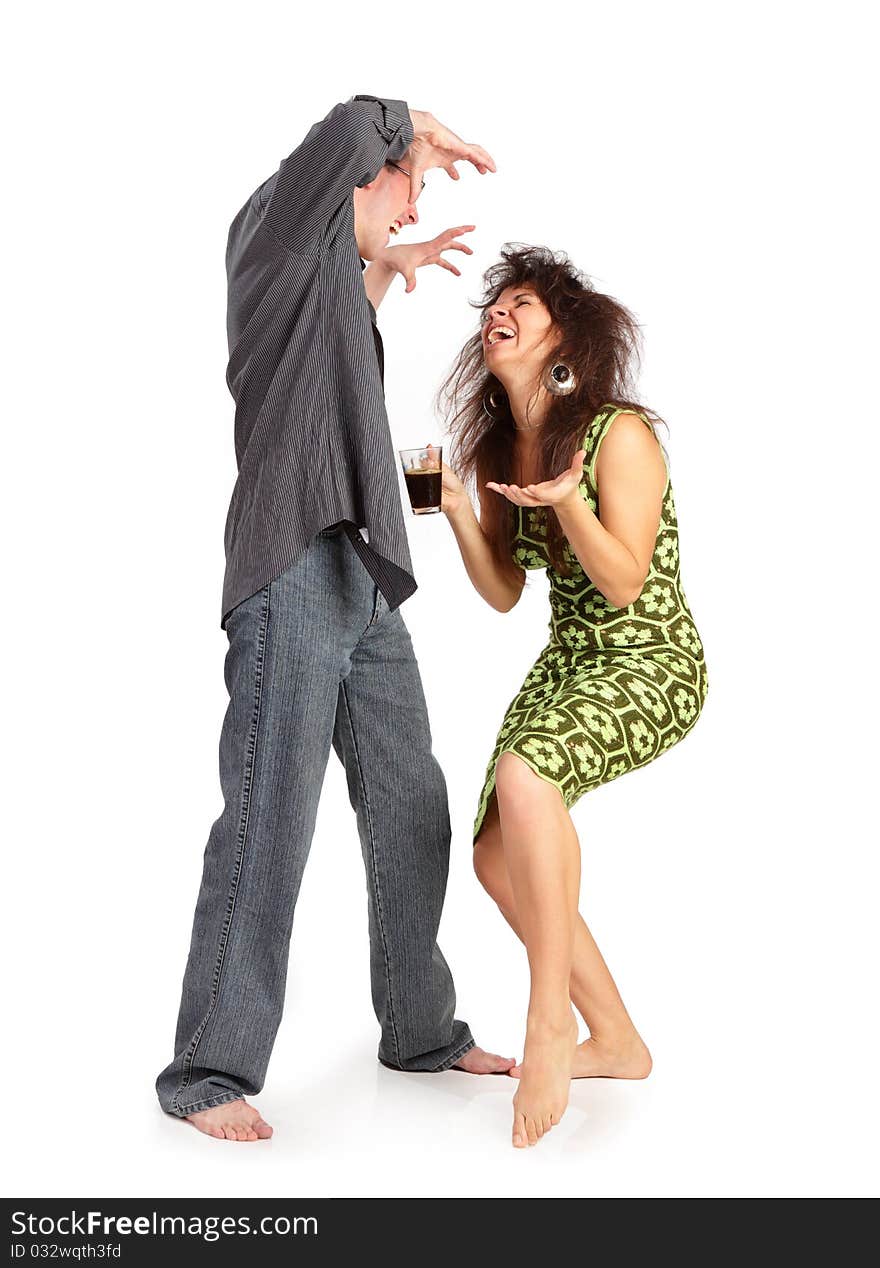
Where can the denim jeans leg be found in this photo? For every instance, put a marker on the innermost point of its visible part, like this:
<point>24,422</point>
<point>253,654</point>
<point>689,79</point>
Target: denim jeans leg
<point>288,646</point>
<point>398,791</point>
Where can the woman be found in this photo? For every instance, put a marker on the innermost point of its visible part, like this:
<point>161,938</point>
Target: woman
<point>623,676</point>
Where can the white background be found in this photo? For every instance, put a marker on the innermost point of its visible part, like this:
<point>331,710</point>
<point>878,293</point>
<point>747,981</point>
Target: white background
<point>707,165</point>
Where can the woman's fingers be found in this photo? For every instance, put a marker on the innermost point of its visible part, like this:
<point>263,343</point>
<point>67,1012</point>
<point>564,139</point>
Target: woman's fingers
<point>514,493</point>
<point>503,489</point>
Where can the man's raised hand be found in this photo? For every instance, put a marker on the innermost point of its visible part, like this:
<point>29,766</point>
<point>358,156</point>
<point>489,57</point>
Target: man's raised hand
<point>408,257</point>
<point>435,145</point>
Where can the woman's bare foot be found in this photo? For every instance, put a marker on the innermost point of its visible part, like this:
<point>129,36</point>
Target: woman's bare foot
<point>626,1058</point>
<point>544,1079</point>
<point>478,1061</point>
<point>234,1120</point>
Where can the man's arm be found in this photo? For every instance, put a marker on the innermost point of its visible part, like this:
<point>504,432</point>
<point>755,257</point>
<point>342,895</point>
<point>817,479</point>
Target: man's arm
<point>345,149</point>
<point>377,279</point>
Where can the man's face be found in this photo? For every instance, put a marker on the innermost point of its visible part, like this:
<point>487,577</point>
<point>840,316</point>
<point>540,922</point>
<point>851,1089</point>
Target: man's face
<point>381,209</point>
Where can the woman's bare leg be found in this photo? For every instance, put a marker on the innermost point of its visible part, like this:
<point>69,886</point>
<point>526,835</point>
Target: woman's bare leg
<point>542,855</point>
<point>614,1049</point>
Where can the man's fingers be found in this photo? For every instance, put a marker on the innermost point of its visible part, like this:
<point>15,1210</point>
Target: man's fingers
<point>481,159</point>
<point>453,171</point>
<point>448,240</point>
<point>446,265</point>
<point>449,234</point>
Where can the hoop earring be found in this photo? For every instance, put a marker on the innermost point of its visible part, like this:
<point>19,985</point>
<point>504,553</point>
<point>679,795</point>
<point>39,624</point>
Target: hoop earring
<point>497,405</point>
<point>559,379</point>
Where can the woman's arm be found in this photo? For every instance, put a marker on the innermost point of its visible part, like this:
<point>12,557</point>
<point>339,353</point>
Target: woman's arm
<point>616,551</point>
<point>499,592</point>
<point>606,559</point>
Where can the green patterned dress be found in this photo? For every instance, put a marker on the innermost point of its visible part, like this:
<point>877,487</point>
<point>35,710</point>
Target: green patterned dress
<point>614,687</point>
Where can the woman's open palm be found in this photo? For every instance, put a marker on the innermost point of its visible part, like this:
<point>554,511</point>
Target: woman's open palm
<point>548,492</point>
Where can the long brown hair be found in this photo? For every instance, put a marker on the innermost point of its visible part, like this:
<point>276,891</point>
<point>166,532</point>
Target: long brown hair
<point>597,337</point>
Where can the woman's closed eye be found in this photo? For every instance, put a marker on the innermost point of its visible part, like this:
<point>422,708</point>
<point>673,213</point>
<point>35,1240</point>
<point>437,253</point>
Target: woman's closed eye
<point>487,315</point>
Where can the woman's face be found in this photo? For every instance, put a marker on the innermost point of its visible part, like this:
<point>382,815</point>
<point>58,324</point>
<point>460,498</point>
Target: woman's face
<point>516,331</point>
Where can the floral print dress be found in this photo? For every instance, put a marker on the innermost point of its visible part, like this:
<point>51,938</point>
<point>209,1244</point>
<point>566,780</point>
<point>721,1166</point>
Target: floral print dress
<point>614,687</point>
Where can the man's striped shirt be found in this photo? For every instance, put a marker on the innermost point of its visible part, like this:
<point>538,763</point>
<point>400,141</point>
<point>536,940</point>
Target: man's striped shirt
<point>312,440</point>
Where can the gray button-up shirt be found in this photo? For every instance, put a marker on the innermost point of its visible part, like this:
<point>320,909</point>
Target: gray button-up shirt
<point>311,433</point>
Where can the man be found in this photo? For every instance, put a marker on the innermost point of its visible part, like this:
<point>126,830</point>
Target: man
<point>317,567</point>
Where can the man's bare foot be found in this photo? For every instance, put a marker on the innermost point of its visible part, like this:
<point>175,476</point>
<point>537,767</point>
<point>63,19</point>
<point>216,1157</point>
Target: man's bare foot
<point>604,1059</point>
<point>234,1120</point>
<point>544,1079</point>
<point>478,1061</point>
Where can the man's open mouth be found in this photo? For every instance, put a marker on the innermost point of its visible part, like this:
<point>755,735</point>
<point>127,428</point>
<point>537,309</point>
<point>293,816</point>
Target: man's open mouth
<point>395,227</point>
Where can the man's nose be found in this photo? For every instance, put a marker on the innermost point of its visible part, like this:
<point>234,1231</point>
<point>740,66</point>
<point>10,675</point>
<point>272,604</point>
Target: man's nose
<point>412,216</point>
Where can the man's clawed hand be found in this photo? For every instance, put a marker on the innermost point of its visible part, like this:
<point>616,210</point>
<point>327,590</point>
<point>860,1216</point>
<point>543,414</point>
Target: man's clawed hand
<point>408,257</point>
<point>435,145</point>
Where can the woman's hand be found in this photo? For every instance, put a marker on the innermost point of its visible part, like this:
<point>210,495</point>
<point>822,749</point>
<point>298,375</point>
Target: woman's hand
<point>454,497</point>
<point>410,256</point>
<point>558,492</point>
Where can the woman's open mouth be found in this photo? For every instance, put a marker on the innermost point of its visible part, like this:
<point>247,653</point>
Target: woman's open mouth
<point>499,333</point>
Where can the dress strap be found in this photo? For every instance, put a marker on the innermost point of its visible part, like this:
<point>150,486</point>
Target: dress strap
<point>598,430</point>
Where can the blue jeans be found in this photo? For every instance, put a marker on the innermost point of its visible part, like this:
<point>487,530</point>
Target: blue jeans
<point>315,658</point>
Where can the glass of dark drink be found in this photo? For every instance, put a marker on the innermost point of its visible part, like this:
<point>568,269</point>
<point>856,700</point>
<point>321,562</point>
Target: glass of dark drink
<point>423,472</point>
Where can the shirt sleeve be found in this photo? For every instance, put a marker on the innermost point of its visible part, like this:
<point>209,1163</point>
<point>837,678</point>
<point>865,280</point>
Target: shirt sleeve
<point>346,149</point>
